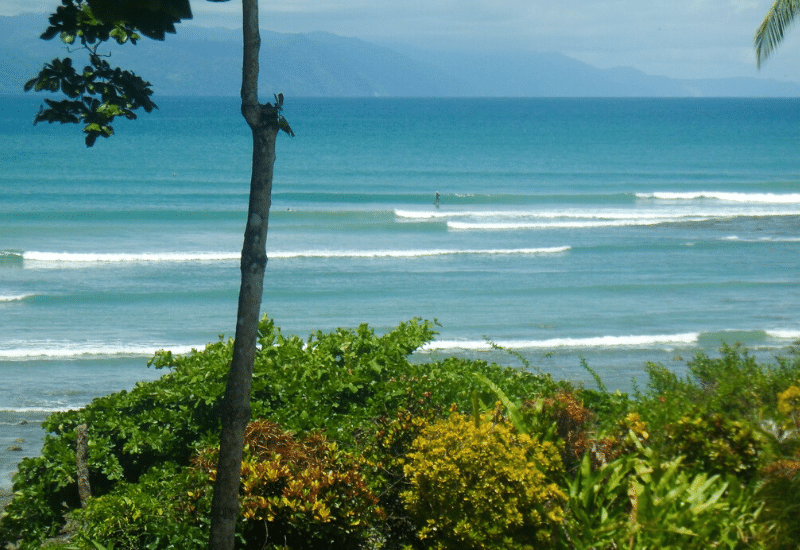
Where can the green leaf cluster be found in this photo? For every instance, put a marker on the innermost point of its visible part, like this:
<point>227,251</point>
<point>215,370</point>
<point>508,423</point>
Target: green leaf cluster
<point>98,93</point>
<point>717,445</point>
<point>638,501</point>
<point>74,20</point>
<point>153,514</point>
<point>733,384</point>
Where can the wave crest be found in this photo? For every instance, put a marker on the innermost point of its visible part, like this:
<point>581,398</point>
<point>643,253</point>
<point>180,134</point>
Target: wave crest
<point>90,257</point>
<point>766,198</point>
<point>71,350</point>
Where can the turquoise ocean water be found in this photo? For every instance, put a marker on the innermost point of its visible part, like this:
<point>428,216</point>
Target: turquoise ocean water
<point>615,231</point>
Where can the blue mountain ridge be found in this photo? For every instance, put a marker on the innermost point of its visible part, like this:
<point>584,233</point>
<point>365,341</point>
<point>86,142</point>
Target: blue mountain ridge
<point>201,61</point>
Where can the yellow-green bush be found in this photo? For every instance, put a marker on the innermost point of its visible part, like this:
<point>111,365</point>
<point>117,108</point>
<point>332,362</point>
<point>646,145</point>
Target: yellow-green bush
<point>789,406</point>
<point>297,492</point>
<point>482,485</point>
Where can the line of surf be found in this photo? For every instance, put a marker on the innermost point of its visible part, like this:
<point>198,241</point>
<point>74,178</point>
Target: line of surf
<point>766,198</point>
<point>14,297</point>
<point>600,215</point>
<point>414,253</point>
<point>550,343</point>
<point>575,213</point>
<point>88,258</point>
<point>32,410</point>
<point>781,337</point>
<point>504,226</point>
<point>69,350</point>
<point>92,257</point>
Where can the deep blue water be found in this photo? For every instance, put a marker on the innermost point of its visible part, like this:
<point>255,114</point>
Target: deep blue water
<point>617,231</point>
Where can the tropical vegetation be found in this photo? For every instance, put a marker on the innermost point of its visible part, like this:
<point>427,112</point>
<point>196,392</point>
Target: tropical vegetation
<point>358,442</point>
<point>771,31</point>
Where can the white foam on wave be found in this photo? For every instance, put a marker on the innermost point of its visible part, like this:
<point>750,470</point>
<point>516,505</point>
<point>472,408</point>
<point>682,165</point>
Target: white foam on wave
<point>79,257</point>
<point>14,297</point>
<point>423,214</point>
<point>767,198</point>
<point>592,342</point>
<point>18,351</point>
<point>762,239</point>
<point>588,218</point>
<point>609,214</point>
<point>784,334</point>
<point>585,224</point>
<point>412,253</point>
<point>31,410</point>
<point>76,258</point>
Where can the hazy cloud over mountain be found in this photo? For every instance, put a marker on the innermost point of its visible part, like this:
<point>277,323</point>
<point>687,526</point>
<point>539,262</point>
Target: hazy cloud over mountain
<point>675,38</point>
<point>204,61</point>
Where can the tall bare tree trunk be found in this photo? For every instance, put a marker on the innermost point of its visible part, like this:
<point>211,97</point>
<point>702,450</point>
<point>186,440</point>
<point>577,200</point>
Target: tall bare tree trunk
<point>263,122</point>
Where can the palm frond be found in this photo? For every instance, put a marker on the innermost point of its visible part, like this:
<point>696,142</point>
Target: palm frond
<point>770,33</point>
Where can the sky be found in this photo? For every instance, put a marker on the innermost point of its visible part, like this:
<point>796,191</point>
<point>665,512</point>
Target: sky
<point>675,38</point>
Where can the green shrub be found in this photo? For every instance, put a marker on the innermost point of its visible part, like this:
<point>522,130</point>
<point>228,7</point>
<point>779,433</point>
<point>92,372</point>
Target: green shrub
<point>341,382</point>
<point>482,486</point>
<point>780,479</point>
<point>386,454</point>
<point>153,514</point>
<point>734,384</point>
<point>295,493</point>
<point>779,490</point>
<point>717,445</point>
<point>637,501</point>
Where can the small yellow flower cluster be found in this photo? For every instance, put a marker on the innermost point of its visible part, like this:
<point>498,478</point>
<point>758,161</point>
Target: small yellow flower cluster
<point>789,406</point>
<point>483,486</point>
<point>789,400</point>
<point>634,423</point>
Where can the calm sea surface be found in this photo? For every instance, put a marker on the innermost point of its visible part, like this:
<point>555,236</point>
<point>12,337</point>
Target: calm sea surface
<point>615,231</point>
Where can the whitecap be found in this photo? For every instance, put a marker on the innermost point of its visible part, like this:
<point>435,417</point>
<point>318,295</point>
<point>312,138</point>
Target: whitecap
<point>771,198</point>
<point>91,257</point>
<point>412,253</point>
<point>14,297</point>
<point>640,341</point>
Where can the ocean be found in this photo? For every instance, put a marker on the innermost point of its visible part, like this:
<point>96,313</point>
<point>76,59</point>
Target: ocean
<point>610,231</point>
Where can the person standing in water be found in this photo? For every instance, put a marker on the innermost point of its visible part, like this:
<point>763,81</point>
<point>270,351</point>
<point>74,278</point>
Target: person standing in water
<point>436,201</point>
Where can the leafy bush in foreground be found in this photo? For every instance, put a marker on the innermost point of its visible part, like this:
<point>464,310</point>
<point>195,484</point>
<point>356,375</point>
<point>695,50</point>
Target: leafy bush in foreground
<point>734,385</point>
<point>637,501</point>
<point>295,493</point>
<point>714,457</point>
<point>477,483</point>
<point>341,382</point>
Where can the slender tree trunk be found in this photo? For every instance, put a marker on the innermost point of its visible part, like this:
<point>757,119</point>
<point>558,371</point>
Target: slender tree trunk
<point>235,411</point>
<point>82,463</point>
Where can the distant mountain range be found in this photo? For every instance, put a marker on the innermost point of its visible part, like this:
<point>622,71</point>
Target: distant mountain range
<point>200,61</point>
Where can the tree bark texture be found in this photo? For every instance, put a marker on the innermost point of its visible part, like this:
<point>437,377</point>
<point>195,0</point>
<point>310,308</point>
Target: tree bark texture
<point>235,409</point>
<point>82,464</point>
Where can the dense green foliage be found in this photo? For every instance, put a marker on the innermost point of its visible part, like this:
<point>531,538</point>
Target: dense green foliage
<point>480,484</point>
<point>296,492</point>
<point>343,383</point>
<point>353,442</point>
